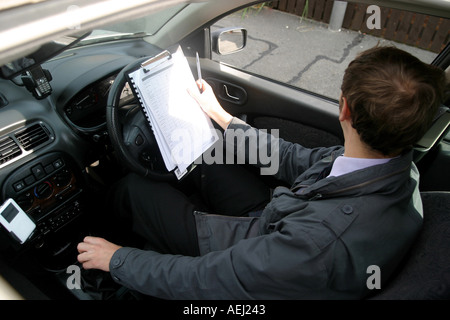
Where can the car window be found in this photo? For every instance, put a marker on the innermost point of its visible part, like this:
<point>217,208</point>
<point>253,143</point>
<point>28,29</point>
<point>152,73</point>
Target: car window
<point>309,46</point>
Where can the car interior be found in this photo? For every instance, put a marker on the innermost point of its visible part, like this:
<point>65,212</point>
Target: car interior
<point>70,126</point>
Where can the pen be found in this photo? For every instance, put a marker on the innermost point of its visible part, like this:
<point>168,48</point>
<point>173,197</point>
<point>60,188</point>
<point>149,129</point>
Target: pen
<point>199,71</point>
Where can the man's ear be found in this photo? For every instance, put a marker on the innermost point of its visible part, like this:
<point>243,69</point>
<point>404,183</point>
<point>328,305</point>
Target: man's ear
<point>344,113</point>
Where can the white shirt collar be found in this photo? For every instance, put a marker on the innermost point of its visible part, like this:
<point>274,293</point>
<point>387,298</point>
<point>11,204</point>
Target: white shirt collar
<point>343,165</point>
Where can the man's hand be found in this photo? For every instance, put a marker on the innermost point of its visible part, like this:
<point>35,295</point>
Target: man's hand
<point>96,253</point>
<point>208,102</point>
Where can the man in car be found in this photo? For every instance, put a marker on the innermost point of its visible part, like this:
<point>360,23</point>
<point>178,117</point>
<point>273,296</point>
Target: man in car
<point>349,210</point>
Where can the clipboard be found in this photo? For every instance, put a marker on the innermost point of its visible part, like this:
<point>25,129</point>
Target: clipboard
<point>153,62</point>
<point>181,128</point>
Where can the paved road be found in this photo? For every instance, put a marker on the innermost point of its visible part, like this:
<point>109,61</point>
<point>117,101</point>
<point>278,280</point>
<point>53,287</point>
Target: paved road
<point>289,49</point>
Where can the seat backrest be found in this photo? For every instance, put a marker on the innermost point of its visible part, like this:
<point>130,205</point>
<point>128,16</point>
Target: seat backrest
<point>425,275</point>
<point>438,130</point>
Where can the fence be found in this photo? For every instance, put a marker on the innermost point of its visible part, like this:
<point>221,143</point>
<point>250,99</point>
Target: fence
<point>423,31</point>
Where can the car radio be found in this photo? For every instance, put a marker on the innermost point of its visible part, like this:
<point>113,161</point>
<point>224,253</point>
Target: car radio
<point>48,190</point>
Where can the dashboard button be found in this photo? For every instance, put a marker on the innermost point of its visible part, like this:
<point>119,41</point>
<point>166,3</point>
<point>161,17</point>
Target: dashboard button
<point>30,180</point>
<point>38,172</point>
<point>58,163</point>
<point>19,186</point>
<point>49,168</point>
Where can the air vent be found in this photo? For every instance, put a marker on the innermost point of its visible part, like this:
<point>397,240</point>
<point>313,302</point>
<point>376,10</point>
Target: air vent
<point>8,150</point>
<point>32,137</point>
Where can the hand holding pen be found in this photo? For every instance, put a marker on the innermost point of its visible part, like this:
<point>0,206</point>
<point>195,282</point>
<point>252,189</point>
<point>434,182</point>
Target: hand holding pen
<point>208,101</point>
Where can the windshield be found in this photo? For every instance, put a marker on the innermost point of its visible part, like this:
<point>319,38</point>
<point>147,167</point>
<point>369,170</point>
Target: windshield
<point>45,52</point>
<point>147,25</point>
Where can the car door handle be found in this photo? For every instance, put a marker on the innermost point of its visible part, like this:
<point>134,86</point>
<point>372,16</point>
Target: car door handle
<point>225,88</point>
<point>228,92</point>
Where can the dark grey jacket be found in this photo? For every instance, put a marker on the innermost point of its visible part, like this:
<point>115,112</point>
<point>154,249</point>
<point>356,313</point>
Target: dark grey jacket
<point>319,244</point>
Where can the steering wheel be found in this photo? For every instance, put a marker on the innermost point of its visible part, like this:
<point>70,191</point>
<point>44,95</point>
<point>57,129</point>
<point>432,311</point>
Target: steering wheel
<point>131,134</point>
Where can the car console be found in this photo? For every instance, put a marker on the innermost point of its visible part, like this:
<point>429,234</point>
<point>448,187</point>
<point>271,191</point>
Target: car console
<point>48,189</point>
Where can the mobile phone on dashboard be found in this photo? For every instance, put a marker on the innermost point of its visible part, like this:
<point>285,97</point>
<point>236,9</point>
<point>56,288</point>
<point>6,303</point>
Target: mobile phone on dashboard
<point>16,221</point>
<point>37,81</point>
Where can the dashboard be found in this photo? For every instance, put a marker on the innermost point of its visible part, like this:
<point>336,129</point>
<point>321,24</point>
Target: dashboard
<point>87,108</point>
<point>46,145</point>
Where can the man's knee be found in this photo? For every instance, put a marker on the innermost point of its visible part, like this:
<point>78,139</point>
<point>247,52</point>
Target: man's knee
<point>132,183</point>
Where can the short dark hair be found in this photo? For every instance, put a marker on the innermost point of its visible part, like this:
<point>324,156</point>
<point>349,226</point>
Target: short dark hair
<point>393,98</point>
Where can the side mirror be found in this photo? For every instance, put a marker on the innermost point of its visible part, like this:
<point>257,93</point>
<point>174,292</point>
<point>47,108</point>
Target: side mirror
<point>229,40</point>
